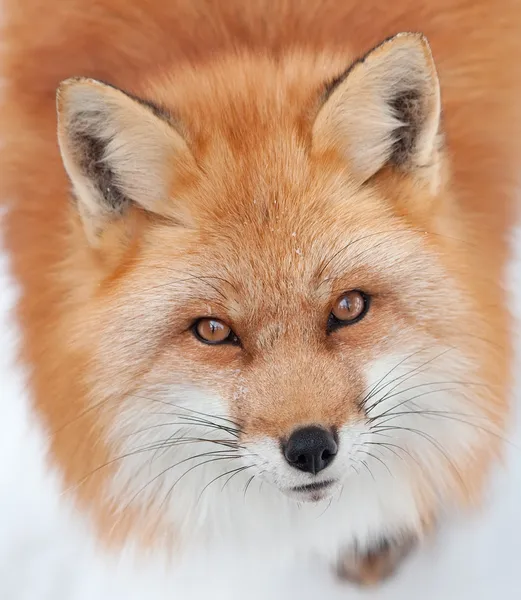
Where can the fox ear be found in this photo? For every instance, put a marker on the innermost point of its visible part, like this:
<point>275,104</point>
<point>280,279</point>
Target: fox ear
<point>385,110</point>
<point>117,150</point>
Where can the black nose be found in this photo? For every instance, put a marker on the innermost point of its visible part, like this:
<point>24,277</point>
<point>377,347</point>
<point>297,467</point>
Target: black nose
<point>310,449</point>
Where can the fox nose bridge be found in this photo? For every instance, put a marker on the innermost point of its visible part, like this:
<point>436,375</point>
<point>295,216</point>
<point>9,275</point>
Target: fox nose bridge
<point>279,410</point>
<point>295,387</point>
<point>283,413</point>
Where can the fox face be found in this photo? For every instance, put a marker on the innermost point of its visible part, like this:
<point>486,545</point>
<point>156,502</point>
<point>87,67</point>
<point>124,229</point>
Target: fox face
<point>272,288</point>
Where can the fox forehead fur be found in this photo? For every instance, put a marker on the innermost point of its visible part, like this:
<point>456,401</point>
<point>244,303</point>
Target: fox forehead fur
<point>257,191</point>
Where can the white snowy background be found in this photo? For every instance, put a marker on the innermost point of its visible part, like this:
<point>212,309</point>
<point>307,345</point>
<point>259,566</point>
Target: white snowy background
<point>46,554</point>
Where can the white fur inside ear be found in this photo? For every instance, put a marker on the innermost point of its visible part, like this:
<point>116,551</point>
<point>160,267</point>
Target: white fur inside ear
<point>386,108</point>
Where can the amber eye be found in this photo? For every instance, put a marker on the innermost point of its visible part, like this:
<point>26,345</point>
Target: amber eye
<point>348,309</point>
<point>213,331</point>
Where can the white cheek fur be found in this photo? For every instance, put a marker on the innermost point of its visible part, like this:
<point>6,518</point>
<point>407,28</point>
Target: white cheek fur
<point>424,411</point>
<point>173,442</point>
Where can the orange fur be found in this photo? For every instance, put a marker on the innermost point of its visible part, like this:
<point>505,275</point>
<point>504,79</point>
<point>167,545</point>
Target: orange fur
<point>245,81</point>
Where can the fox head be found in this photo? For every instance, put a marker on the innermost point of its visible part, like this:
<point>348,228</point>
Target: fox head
<point>270,281</point>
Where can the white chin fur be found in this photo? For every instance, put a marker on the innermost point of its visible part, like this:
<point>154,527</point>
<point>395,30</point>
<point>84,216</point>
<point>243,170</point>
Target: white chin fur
<point>242,494</point>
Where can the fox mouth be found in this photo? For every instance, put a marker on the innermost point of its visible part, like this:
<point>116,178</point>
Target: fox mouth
<point>311,492</point>
<point>313,487</point>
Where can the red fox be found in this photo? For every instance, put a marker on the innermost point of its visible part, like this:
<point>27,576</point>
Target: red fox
<point>262,260</point>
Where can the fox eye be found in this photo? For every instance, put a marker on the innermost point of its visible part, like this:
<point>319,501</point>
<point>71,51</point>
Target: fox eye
<point>213,331</point>
<point>349,308</point>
